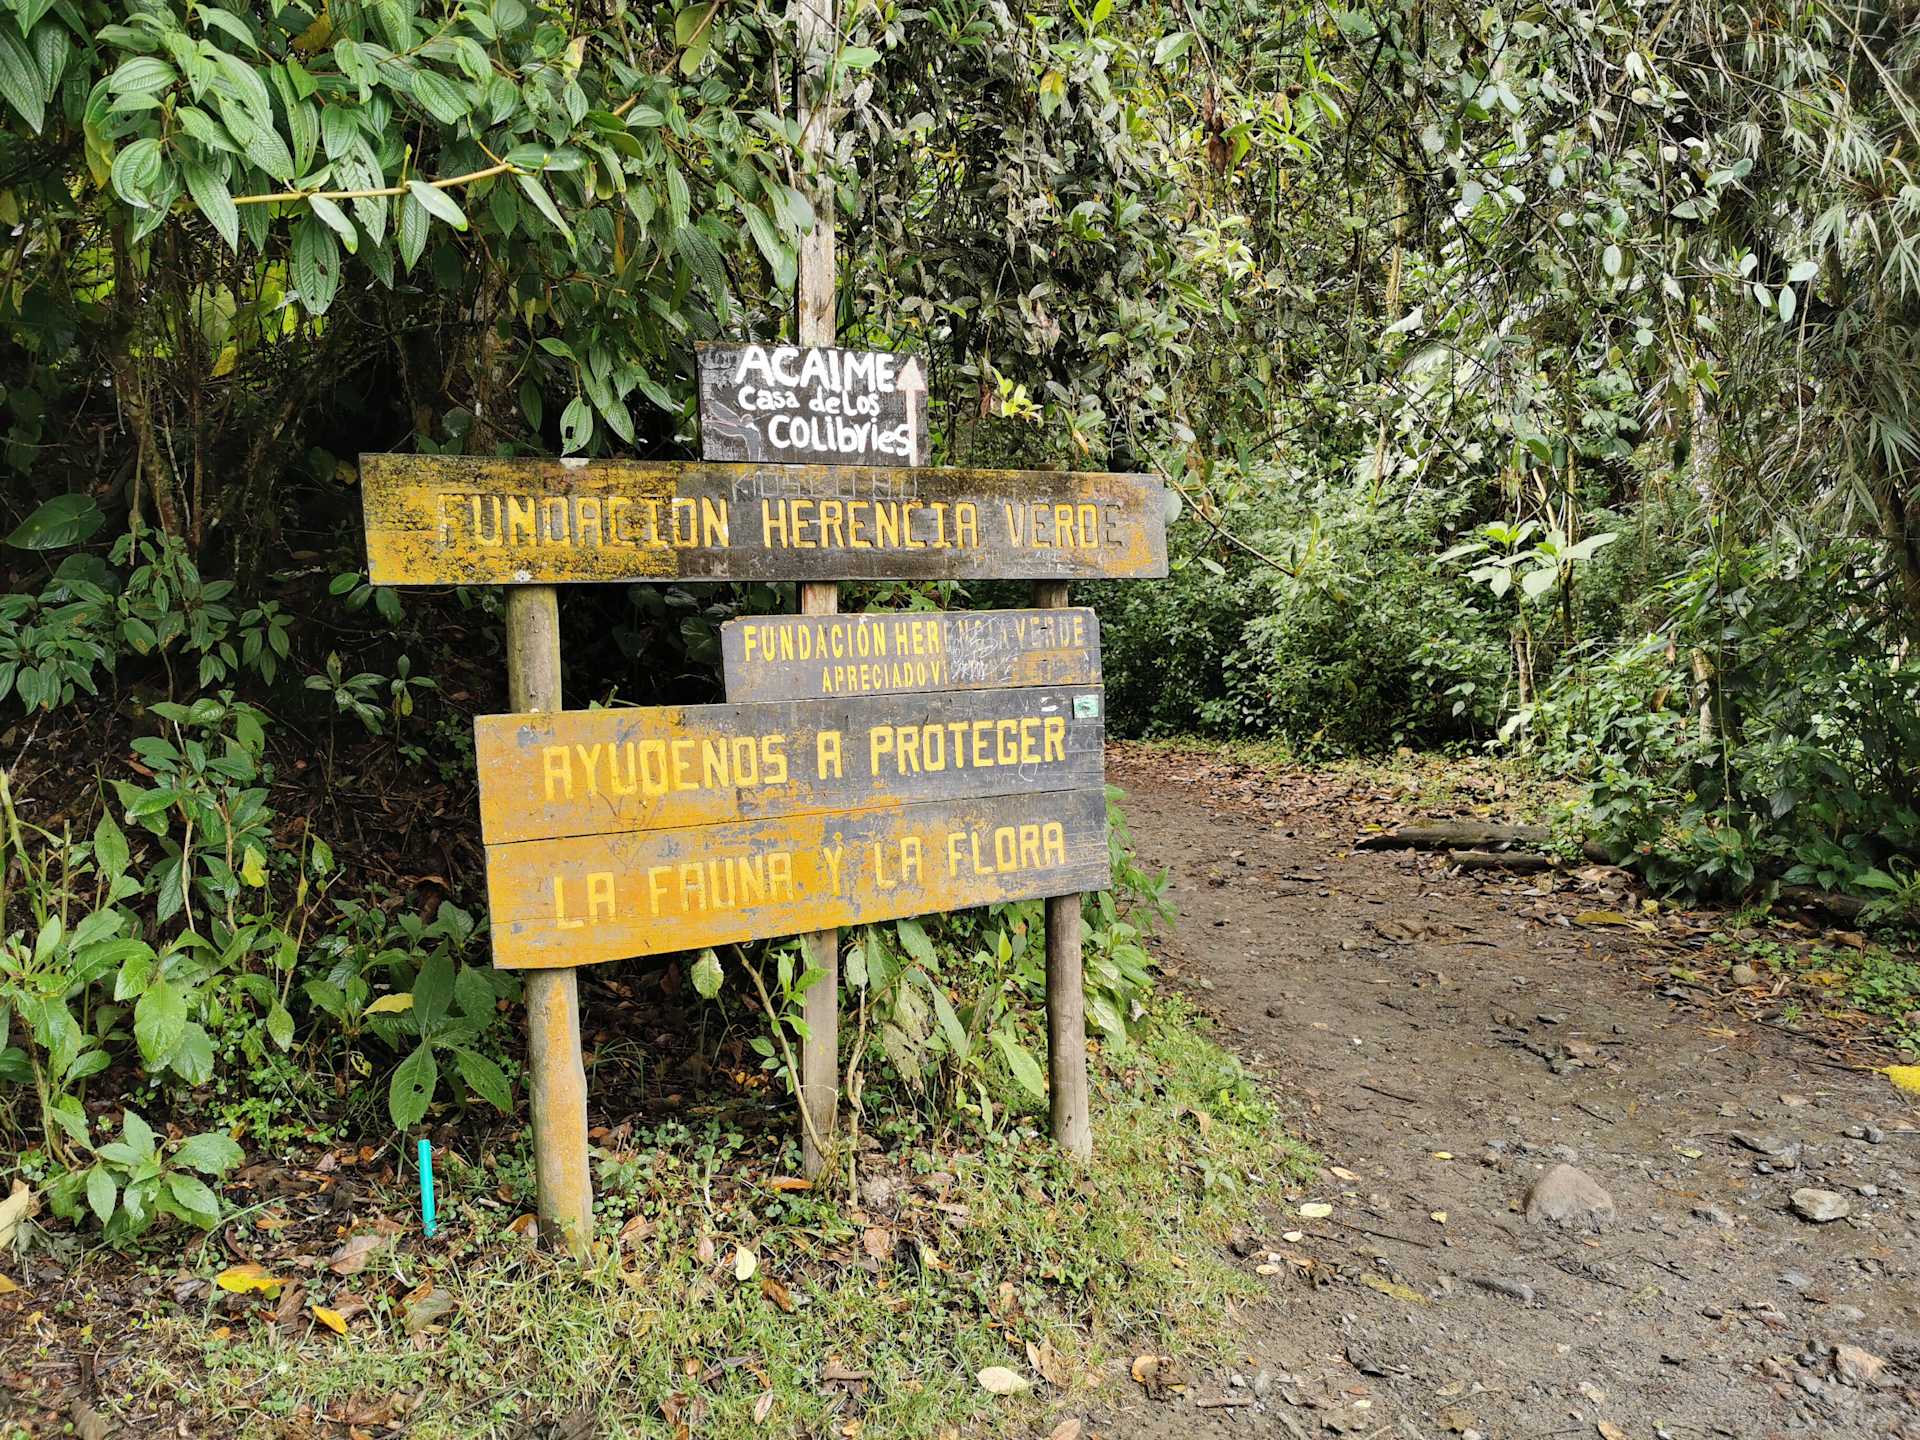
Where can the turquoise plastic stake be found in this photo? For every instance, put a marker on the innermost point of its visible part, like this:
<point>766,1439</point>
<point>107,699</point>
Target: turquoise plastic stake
<point>426,1186</point>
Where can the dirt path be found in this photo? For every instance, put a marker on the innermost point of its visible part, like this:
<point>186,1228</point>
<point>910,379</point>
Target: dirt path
<point>1445,1041</point>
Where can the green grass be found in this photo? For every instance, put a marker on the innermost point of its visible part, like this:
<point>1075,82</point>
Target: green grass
<point>1102,1262</point>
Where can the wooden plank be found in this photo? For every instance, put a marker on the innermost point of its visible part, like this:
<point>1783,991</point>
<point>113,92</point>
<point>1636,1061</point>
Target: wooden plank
<point>793,657</point>
<point>812,405</point>
<point>584,899</point>
<point>466,520</point>
<point>603,772</point>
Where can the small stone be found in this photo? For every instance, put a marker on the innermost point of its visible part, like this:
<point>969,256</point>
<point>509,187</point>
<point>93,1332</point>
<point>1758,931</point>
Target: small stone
<point>1237,1381</point>
<point>1809,1384</point>
<point>1768,1145</point>
<point>1512,1289</point>
<point>1844,1314</point>
<point>1874,1135</point>
<point>1796,1280</point>
<point>1862,1367</point>
<point>1744,974</point>
<point>1713,1312</point>
<point>1713,1215</point>
<point>1263,1383</point>
<point>1821,1206</point>
<point>1855,1132</point>
<point>1571,1199</point>
<point>1870,1191</point>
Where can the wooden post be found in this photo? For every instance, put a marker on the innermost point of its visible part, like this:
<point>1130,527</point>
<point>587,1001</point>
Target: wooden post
<point>1066,992</point>
<point>819,1080</point>
<point>557,1078</point>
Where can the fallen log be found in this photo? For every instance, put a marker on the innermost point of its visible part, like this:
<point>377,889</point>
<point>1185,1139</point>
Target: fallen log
<point>1454,835</point>
<point>1474,845</point>
<point>1501,860</point>
<point>1840,907</point>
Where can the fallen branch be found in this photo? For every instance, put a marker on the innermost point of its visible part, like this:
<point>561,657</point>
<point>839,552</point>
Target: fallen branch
<point>1454,835</point>
<point>1501,860</point>
<point>1840,907</point>
<point>1474,836</point>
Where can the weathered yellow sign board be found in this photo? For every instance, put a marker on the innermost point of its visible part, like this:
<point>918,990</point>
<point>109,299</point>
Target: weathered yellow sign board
<point>459,520</point>
<point>604,772</point>
<point>791,657</point>
<point>585,899</point>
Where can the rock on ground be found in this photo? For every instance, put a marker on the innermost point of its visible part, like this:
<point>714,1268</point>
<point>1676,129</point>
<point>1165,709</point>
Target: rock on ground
<point>1570,1198</point>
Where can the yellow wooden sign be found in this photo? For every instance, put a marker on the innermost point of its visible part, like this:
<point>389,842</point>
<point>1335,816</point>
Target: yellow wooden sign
<point>603,772</point>
<point>793,657</point>
<point>584,899</point>
<point>459,520</point>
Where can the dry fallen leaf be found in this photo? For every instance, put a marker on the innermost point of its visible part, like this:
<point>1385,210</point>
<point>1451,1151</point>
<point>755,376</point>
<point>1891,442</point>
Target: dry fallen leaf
<point>352,1256</point>
<point>1051,1364</point>
<point>745,1262</point>
<point>1439,1217</point>
<point>18,1206</point>
<point>1315,1210</point>
<point>245,1279</point>
<point>1145,1367</point>
<point>776,1292</point>
<point>1065,1430</point>
<point>7,1287</point>
<point>1340,1172</point>
<point>332,1319</point>
<point>878,1242</point>
<point>1398,1292</point>
<point>999,1380</point>
<point>1610,1431</point>
<point>763,1407</point>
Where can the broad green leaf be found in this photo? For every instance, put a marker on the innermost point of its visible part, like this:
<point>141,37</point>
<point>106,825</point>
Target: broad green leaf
<point>1020,1061</point>
<point>484,1078</point>
<point>211,1153</point>
<point>194,1200</point>
<point>102,1193</point>
<point>209,192</point>
<point>576,425</point>
<point>412,1087</point>
<point>543,202</point>
<point>19,83</point>
<point>160,1022</point>
<point>335,219</point>
<point>440,96</point>
<point>136,172</point>
<point>62,521</point>
<point>140,75</point>
<point>438,203</point>
<point>707,975</point>
<point>433,989</point>
<point>414,225</point>
<point>316,264</point>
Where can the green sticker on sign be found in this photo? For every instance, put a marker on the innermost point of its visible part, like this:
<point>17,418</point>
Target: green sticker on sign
<point>1086,707</point>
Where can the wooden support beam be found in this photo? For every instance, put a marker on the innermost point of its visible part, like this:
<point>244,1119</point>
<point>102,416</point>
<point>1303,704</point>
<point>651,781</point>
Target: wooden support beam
<point>1070,1102</point>
<point>819,1079</point>
<point>557,1079</point>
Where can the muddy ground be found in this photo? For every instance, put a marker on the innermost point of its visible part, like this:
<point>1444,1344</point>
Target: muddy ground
<point>1445,1039</point>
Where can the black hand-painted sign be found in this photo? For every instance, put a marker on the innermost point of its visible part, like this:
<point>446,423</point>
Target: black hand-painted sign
<point>811,405</point>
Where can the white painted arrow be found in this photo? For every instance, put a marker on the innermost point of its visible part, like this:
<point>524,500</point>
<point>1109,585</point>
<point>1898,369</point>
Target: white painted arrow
<point>909,381</point>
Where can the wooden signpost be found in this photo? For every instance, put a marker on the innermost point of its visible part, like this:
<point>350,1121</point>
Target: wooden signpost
<point>458,520</point>
<point>791,657</point>
<point>866,767</point>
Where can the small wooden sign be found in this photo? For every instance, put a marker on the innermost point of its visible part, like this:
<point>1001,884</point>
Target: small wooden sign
<point>468,520</point>
<point>586,899</point>
<point>606,772</point>
<point>812,405</point>
<point>791,657</point>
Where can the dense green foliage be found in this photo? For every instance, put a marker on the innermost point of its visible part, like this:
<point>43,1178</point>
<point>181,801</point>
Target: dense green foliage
<point>1540,380</point>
